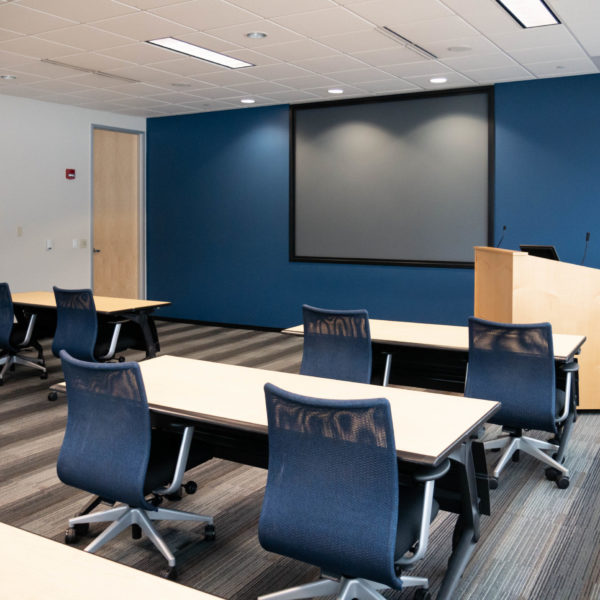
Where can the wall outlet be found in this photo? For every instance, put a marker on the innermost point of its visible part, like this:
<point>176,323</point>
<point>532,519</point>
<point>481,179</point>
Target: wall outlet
<point>83,243</point>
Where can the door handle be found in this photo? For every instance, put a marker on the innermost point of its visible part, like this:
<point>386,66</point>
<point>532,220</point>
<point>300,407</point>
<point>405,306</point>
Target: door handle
<point>96,251</point>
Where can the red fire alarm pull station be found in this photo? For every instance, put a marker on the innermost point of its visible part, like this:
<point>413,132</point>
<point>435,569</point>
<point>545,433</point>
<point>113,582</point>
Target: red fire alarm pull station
<point>70,173</point>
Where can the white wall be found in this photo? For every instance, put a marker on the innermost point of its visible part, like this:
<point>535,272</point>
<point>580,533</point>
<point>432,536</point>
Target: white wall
<point>38,141</point>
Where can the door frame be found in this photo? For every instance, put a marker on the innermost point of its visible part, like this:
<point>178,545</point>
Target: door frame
<point>141,203</point>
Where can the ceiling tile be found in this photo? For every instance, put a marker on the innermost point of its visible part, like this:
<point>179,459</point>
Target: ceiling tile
<point>415,69</point>
<point>547,53</point>
<point>291,96</point>
<point>554,35</point>
<point>308,81</point>
<point>392,56</point>
<point>351,42</point>
<point>293,51</point>
<point>487,17</point>
<point>205,14</point>
<point>60,87</point>
<point>261,87</point>
<point>34,47</point>
<point>454,80</point>
<point>27,21</point>
<point>330,64</point>
<point>434,30</point>
<point>187,66</point>
<point>237,34</point>
<point>95,62</point>
<point>320,23</point>
<point>277,71</point>
<point>476,61</point>
<point>78,10</point>
<point>85,37</point>
<point>8,35</point>
<point>389,86</point>
<point>514,73</point>
<point>277,8</point>
<point>148,4</point>
<point>462,46</point>
<point>44,70</point>
<point>359,76</point>
<point>229,77</point>
<point>398,12</point>
<point>142,26</point>
<point>139,53</point>
<point>562,68</point>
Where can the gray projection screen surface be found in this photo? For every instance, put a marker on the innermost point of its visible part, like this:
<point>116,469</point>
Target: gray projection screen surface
<point>394,181</point>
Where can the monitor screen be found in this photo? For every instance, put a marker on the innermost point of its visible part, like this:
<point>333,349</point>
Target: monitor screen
<point>541,251</point>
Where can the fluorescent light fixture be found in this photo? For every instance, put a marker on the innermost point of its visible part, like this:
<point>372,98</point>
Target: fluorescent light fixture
<point>201,53</point>
<point>336,91</point>
<point>247,101</point>
<point>529,13</point>
<point>438,80</point>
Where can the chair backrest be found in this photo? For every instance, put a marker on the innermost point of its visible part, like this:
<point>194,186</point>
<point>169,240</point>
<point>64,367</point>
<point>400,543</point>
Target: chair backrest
<point>76,323</point>
<point>106,447</point>
<point>513,364</point>
<point>337,344</point>
<point>7,316</point>
<point>332,488</point>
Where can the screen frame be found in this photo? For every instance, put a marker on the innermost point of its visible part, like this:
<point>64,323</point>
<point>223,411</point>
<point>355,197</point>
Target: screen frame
<point>488,91</point>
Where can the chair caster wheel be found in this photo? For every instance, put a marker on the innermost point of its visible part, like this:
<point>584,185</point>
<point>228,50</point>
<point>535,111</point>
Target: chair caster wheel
<point>81,529</point>
<point>190,487</point>
<point>70,535</point>
<point>516,456</point>
<point>422,594</point>
<point>156,500</point>
<point>552,474</point>
<point>209,533</point>
<point>562,482</point>
<point>169,573</point>
<point>136,532</point>
<point>173,497</point>
<point>52,396</point>
<point>44,376</point>
<point>121,359</point>
<point>493,483</point>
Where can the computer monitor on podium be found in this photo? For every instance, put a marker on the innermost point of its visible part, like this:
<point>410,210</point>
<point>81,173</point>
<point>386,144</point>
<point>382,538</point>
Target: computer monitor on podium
<point>541,251</point>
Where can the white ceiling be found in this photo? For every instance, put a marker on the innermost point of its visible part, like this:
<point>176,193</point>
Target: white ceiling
<point>311,46</point>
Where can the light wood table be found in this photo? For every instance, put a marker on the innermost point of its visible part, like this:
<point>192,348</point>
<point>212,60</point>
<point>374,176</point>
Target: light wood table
<point>132,309</point>
<point>34,567</point>
<point>226,403</point>
<point>442,337</point>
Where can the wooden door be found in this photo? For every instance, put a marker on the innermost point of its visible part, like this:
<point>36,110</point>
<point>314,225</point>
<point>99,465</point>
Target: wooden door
<point>116,245</point>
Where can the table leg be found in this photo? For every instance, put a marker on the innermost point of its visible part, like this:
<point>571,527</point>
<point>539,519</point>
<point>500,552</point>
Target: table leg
<point>466,531</point>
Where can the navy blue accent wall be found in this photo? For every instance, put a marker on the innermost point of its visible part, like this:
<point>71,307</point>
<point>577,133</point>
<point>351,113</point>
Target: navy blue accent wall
<point>217,233</point>
<point>547,165</point>
<point>217,212</point>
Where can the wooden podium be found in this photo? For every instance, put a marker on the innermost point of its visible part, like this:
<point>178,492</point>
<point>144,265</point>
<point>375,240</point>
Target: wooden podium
<point>514,287</point>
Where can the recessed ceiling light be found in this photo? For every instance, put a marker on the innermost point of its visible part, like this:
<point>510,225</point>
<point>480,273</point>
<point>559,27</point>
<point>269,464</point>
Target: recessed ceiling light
<point>247,101</point>
<point>256,35</point>
<point>438,80</point>
<point>336,91</point>
<point>529,13</point>
<point>459,48</point>
<point>8,76</point>
<point>201,53</point>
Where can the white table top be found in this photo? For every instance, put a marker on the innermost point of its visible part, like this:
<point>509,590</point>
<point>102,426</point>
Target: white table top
<point>104,304</point>
<point>35,568</point>
<point>444,337</point>
<point>426,425</point>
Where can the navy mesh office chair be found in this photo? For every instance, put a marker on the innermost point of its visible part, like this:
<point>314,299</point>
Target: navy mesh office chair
<point>110,450</point>
<point>16,337</point>
<point>78,331</point>
<point>333,498</point>
<point>337,344</point>
<point>514,364</point>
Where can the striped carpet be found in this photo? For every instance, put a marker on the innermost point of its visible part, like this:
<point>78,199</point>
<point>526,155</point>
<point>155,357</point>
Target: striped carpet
<point>540,543</point>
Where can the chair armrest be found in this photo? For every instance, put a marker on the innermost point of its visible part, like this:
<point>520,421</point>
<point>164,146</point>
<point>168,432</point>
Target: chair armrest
<point>432,474</point>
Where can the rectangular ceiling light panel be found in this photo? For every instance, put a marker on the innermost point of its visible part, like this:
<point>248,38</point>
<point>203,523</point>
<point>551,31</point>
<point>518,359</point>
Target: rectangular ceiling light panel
<point>529,13</point>
<point>198,52</point>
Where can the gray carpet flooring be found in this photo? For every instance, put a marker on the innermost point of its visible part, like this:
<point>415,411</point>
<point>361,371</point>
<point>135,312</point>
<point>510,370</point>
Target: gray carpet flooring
<point>540,543</point>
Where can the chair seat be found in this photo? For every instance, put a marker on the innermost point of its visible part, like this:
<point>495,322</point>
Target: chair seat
<point>410,506</point>
<point>104,337</point>
<point>163,457</point>
<point>17,335</point>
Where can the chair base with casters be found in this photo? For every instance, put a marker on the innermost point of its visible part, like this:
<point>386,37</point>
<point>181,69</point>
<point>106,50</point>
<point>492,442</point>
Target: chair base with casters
<point>10,360</point>
<point>140,519</point>
<point>125,516</point>
<point>514,443</point>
